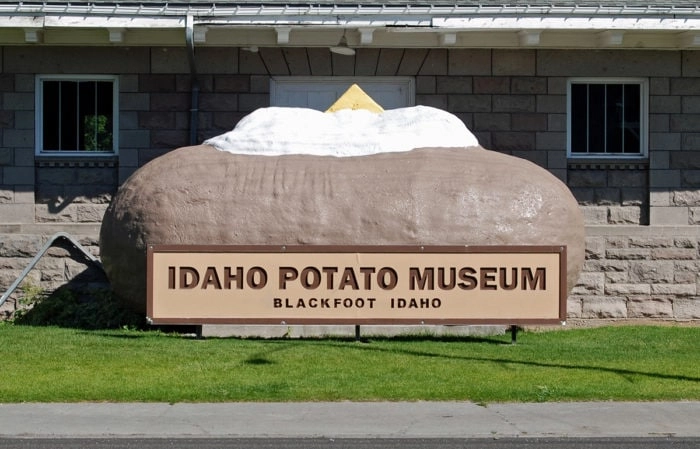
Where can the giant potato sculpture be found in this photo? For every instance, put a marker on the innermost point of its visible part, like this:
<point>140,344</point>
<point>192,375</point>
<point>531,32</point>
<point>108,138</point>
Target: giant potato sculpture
<point>426,196</point>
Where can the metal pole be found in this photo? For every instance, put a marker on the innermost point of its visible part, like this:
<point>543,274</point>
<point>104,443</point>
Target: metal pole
<point>47,245</point>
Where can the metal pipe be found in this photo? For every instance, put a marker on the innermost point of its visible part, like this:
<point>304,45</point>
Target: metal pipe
<point>59,235</point>
<point>194,99</point>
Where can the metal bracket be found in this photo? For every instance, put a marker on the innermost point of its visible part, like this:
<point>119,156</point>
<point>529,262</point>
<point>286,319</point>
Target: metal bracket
<point>49,243</point>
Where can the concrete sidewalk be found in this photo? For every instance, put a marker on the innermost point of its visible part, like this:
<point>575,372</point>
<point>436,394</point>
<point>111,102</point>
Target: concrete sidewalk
<point>352,419</point>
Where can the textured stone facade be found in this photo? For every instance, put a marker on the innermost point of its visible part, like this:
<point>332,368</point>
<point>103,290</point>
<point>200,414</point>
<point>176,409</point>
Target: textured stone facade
<point>643,216</point>
<point>639,273</point>
<point>61,264</point>
<point>609,194</point>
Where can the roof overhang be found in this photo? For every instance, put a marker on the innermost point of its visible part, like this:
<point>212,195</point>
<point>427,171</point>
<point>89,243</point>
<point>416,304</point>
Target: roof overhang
<point>364,26</point>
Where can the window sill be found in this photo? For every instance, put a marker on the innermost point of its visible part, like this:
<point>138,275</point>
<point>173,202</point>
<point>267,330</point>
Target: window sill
<point>76,161</point>
<point>631,163</point>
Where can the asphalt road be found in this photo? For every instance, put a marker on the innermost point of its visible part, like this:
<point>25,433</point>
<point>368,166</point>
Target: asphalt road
<point>350,443</point>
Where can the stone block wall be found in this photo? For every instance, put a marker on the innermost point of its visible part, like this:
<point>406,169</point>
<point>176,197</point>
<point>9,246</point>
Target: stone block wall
<point>634,272</point>
<point>513,100</point>
<point>60,265</point>
<point>615,194</point>
<point>73,191</point>
<point>675,145</point>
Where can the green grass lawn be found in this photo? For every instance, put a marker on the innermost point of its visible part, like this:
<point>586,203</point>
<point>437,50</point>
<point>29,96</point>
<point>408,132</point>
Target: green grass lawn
<point>645,363</point>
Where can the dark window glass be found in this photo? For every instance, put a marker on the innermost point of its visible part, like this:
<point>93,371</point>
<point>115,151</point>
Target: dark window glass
<point>50,108</point>
<point>68,120</point>
<point>77,115</point>
<point>579,120</point>
<point>596,118</point>
<point>605,118</point>
<point>632,117</point>
<point>614,107</point>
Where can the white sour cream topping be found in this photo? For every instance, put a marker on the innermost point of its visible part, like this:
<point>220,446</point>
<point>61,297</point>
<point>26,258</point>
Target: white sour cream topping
<point>276,131</point>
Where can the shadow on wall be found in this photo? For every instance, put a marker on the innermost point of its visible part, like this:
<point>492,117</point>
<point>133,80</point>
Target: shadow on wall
<point>62,285</point>
<point>85,302</point>
<point>77,192</point>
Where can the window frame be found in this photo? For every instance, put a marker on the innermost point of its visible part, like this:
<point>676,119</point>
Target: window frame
<point>39,122</point>
<point>643,84</point>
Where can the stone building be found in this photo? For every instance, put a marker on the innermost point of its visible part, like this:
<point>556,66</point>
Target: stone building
<point>604,94</point>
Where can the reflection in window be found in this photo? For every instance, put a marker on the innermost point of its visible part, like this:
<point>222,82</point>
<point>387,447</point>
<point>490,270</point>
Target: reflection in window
<point>77,116</point>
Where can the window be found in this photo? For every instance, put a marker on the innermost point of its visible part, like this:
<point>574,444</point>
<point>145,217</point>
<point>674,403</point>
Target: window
<point>607,118</point>
<point>76,115</point>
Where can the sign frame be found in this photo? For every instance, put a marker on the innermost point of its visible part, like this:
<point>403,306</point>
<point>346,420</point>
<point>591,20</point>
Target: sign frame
<point>153,249</point>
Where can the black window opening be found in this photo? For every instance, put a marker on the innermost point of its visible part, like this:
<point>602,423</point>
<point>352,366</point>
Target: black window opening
<point>606,119</point>
<point>78,116</point>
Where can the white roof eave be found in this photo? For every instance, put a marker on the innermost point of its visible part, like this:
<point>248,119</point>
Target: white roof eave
<point>451,24</point>
<point>446,21</point>
<point>219,10</point>
<point>567,23</point>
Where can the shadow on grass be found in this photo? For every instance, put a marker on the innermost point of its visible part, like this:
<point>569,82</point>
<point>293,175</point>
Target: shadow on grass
<point>513,361</point>
<point>145,331</point>
<point>88,309</point>
<point>443,338</point>
<point>377,339</point>
<point>263,357</point>
<point>258,361</point>
<point>282,344</point>
<point>276,345</point>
